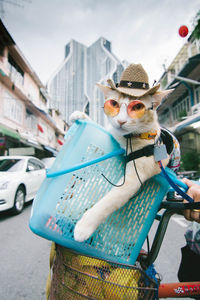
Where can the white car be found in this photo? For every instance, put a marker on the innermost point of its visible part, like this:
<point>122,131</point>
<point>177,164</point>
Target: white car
<point>48,161</point>
<point>20,179</point>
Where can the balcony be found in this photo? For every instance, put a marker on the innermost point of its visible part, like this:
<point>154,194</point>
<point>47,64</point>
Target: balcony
<point>16,74</point>
<point>188,53</point>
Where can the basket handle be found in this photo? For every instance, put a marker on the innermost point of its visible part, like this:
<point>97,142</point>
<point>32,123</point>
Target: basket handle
<point>175,183</point>
<point>119,151</point>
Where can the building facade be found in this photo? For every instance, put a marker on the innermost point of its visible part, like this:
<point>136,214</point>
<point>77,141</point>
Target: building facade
<point>183,76</point>
<point>73,85</point>
<point>26,124</point>
<point>180,111</point>
<point>66,85</point>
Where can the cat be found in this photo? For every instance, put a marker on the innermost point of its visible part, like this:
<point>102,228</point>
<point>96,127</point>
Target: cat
<point>119,126</point>
<point>127,115</point>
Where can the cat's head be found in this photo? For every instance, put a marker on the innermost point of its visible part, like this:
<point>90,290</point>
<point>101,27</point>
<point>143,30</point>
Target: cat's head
<point>129,114</point>
<point>132,109</point>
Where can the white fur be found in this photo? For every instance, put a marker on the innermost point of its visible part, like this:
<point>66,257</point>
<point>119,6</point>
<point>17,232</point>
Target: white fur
<point>77,115</point>
<point>146,166</point>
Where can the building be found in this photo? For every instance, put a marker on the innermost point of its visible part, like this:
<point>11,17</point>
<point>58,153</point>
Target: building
<point>101,65</point>
<point>180,111</point>
<point>66,85</point>
<point>72,86</point>
<point>26,126</point>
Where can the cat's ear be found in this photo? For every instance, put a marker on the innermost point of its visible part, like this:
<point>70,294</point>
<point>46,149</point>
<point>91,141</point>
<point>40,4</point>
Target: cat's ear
<point>105,89</point>
<point>159,96</point>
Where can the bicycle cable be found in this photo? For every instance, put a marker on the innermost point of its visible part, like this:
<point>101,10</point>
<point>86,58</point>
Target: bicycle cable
<point>128,144</point>
<point>116,185</point>
<point>136,171</point>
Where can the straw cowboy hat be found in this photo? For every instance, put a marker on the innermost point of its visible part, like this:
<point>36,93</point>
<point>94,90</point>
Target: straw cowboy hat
<point>134,82</point>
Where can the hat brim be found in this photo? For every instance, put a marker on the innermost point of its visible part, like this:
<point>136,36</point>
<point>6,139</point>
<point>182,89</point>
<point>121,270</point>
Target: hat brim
<point>134,92</point>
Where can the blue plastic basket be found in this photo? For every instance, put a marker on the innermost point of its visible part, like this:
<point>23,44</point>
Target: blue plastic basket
<point>74,184</point>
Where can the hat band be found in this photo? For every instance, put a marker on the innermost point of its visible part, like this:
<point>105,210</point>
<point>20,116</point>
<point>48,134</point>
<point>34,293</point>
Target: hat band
<point>133,85</point>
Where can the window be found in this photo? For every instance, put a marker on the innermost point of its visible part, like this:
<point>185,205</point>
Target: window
<point>197,96</point>
<point>67,50</point>
<point>38,164</point>
<point>11,165</point>
<point>35,165</point>
<point>188,104</point>
<point>107,45</point>
<point>16,73</point>
<point>2,47</point>
<point>43,99</point>
<point>13,108</point>
<point>31,120</point>
<point>180,108</point>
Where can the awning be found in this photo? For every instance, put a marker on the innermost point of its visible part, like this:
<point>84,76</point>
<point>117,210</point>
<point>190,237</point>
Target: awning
<point>191,120</point>
<point>50,149</point>
<point>189,66</point>
<point>31,143</point>
<point>9,132</point>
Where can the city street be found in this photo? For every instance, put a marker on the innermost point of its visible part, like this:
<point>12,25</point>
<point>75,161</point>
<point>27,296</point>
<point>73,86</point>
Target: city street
<point>133,69</point>
<point>169,257</point>
<point>24,256</point>
<point>24,259</point>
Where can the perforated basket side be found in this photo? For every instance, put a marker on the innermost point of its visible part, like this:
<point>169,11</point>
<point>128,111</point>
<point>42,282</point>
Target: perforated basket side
<point>81,277</point>
<point>61,201</point>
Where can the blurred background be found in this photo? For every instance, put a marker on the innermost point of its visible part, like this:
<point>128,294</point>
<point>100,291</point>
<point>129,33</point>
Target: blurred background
<point>51,55</point>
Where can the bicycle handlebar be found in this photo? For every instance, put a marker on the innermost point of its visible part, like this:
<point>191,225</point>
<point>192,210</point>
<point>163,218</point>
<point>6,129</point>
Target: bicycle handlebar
<point>170,208</point>
<point>179,206</point>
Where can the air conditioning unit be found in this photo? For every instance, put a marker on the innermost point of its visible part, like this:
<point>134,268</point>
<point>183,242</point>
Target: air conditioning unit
<point>195,109</point>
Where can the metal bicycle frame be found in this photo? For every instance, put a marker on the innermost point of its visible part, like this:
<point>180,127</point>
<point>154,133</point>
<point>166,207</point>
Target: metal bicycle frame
<point>163,219</point>
<point>168,290</point>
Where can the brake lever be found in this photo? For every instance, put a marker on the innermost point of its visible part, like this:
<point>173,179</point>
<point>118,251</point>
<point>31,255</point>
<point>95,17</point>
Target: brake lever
<point>174,205</point>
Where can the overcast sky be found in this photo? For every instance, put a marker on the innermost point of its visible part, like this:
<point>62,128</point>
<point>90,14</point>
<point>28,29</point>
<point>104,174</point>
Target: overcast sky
<point>143,32</point>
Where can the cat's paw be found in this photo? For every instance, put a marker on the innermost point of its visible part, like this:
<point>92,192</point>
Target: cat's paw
<point>77,115</point>
<point>83,229</point>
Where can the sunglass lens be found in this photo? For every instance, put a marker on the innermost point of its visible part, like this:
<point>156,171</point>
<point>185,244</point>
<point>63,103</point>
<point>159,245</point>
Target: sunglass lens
<point>111,108</point>
<point>136,109</point>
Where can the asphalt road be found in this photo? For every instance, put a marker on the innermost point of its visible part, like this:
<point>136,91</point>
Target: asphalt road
<point>24,256</point>
<point>24,259</point>
<point>168,260</point>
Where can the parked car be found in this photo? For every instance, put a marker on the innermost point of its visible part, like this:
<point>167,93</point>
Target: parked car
<point>20,179</point>
<point>48,161</point>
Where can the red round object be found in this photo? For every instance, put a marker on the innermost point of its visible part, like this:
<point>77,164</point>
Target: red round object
<point>183,31</point>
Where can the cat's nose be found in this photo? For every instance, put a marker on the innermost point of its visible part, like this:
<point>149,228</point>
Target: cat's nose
<point>121,122</point>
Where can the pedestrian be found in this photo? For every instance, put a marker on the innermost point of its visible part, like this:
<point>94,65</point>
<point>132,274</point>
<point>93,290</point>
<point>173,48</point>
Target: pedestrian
<point>189,269</point>
<point>194,193</point>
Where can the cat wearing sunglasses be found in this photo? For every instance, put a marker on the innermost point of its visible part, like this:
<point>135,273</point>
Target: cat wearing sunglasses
<point>137,118</point>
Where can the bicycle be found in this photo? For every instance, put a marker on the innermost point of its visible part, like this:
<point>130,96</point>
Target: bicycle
<point>109,264</point>
<point>77,276</point>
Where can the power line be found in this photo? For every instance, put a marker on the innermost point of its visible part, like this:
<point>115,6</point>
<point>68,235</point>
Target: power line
<point>17,3</point>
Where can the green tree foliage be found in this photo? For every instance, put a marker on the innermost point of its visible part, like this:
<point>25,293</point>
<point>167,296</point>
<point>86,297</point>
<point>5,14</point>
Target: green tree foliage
<point>190,161</point>
<point>196,23</point>
<point>182,114</point>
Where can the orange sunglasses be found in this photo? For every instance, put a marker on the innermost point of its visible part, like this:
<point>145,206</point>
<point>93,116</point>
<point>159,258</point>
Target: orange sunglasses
<point>135,109</point>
